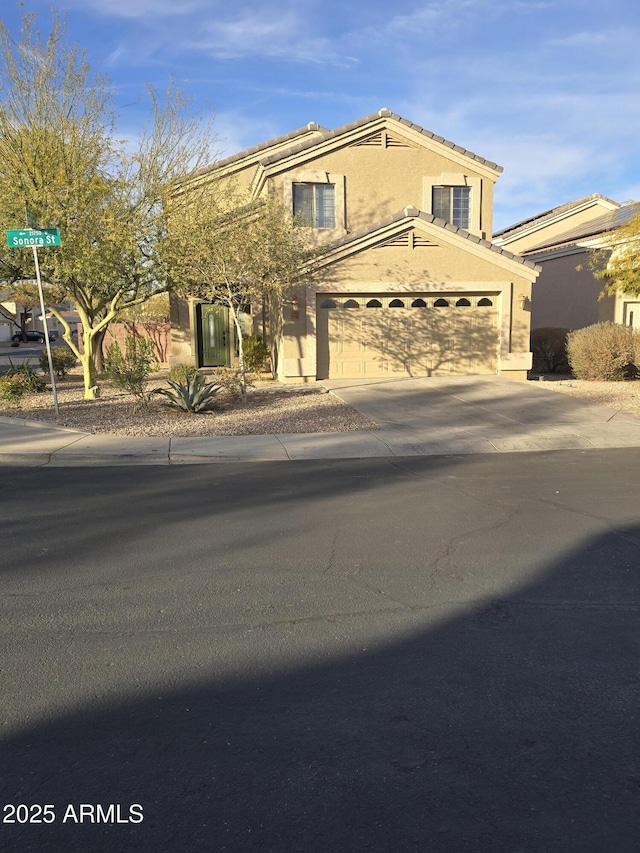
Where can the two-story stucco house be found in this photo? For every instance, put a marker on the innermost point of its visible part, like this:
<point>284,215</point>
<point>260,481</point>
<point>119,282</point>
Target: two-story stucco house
<point>410,284</point>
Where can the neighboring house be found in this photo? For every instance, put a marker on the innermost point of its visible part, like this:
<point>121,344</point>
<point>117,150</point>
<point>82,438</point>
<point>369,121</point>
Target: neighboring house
<point>13,313</point>
<point>560,241</point>
<point>410,284</point>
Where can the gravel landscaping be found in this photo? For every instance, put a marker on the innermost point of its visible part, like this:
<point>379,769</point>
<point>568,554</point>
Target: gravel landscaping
<point>271,408</point>
<point>623,396</point>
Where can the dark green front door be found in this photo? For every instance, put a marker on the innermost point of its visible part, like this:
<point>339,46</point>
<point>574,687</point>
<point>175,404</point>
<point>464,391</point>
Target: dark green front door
<point>214,335</point>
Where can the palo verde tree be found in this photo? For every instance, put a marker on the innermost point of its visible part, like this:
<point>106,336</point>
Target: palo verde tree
<point>60,158</point>
<point>616,261</point>
<point>225,249</point>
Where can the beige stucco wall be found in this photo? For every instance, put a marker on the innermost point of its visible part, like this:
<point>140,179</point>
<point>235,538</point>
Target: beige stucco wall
<point>182,317</point>
<point>441,264</point>
<point>378,182</point>
<point>442,268</point>
<point>567,297</point>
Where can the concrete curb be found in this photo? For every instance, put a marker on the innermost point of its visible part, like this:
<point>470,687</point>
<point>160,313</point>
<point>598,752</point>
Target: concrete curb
<point>32,424</point>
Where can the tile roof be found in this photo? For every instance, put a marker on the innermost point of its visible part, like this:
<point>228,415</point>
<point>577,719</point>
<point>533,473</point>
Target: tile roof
<point>334,134</point>
<point>414,213</point>
<point>383,113</point>
<point>263,146</point>
<point>511,230</point>
<point>600,225</point>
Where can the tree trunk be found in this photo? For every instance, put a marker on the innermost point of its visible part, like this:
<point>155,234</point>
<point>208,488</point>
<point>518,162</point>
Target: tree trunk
<point>99,351</point>
<point>242,373</point>
<point>88,360</point>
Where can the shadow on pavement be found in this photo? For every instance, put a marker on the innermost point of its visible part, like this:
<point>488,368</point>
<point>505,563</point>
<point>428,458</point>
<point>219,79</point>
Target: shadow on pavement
<point>511,727</point>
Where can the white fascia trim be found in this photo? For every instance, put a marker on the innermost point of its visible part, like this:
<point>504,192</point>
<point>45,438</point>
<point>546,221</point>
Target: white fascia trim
<point>574,249</point>
<point>564,252</point>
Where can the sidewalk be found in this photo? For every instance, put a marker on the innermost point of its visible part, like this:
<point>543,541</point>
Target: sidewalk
<point>416,418</point>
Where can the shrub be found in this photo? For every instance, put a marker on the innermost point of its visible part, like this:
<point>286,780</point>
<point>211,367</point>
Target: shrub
<point>32,381</point>
<point>228,378</point>
<point>13,388</point>
<point>191,395</point>
<point>182,372</point>
<point>604,351</point>
<point>62,360</point>
<point>256,353</point>
<point>549,347</point>
<point>129,371</point>
<point>636,351</point>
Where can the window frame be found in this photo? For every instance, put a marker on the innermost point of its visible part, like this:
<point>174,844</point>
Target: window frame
<point>453,180</point>
<point>317,205</point>
<point>457,201</point>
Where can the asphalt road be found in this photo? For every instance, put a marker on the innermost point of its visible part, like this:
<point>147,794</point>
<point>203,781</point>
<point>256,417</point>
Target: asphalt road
<point>425,654</point>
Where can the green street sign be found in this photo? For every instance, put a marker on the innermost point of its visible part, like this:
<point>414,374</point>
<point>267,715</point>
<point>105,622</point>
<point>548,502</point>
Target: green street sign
<point>32,219</point>
<point>37,237</point>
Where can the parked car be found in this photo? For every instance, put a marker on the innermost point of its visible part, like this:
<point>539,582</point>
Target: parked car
<point>33,335</point>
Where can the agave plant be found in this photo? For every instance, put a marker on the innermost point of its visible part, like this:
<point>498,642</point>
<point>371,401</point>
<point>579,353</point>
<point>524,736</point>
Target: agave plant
<point>191,394</point>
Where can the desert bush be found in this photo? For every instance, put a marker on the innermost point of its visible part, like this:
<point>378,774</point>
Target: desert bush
<point>62,360</point>
<point>636,351</point>
<point>605,351</point>
<point>130,370</point>
<point>13,388</point>
<point>256,353</point>
<point>32,381</point>
<point>549,348</point>
<point>192,394</point>
<point>228,378</point>
<point>182,372</point>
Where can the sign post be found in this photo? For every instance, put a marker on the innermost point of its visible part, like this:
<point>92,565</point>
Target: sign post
<point>34,237</point>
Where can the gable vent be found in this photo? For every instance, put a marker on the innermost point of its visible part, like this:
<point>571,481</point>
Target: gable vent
<point>419,241</point>
<point>393,142</point>
<point>400,240</point>
<point>408,240</point>
<point>374,141</point>
<point>382,140</point>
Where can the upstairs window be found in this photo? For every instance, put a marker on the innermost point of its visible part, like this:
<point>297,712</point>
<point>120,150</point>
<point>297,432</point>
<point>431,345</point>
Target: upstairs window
<point>453,204</point>
<point>315,205</point>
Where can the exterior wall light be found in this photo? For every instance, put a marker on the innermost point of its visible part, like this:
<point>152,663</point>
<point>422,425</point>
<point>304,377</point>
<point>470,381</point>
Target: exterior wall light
<point>295,308</point>
<point>523,302</point>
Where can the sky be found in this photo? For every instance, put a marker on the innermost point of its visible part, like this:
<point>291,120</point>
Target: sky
<point>548,89</point>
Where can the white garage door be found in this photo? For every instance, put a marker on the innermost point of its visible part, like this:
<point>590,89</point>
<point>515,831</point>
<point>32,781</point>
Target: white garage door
<point>406,335</point>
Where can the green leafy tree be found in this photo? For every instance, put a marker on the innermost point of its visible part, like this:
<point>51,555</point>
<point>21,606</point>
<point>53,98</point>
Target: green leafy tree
<point>617,260</point>
<point>60,158</point>
<point>225,249</point>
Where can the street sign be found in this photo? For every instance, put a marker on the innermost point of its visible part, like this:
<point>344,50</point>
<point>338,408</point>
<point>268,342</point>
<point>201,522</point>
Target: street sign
<point>32,219</point>
<point>38,237</point>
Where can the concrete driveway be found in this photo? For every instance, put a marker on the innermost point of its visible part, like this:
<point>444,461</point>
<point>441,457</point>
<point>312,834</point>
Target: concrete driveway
<point>483,414</point>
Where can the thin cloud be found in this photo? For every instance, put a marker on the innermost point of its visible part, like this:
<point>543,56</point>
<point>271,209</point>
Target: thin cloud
<point>611,39</point>
<point>141,9</point>
<point>267,36</point>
